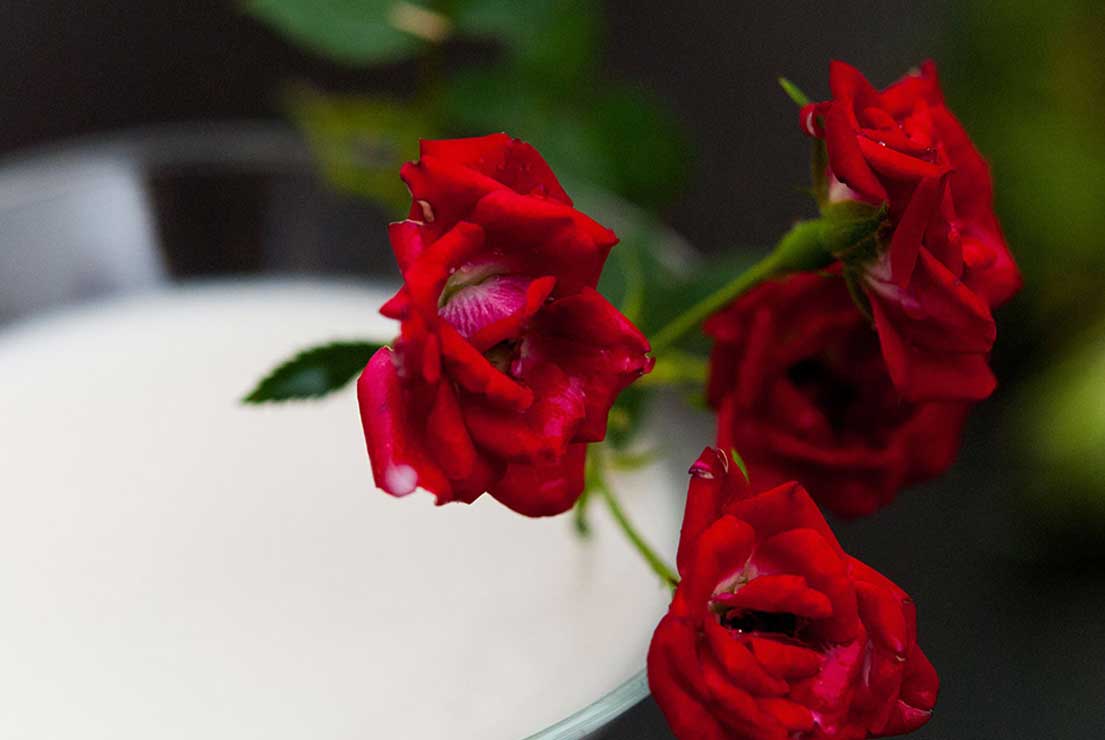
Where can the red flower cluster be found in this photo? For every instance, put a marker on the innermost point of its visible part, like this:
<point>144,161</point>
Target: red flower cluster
<point>774,632</point>
<point>508,360</point>
<point>947,264</point>
<point>803,393</point>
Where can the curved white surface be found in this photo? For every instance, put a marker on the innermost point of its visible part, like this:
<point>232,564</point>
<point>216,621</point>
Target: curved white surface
<point>175,565</point>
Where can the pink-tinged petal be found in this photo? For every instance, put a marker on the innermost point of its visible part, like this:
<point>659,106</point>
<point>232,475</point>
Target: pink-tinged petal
<point>399,463</point>
<point>704,496</point>
<point>892,163</point>
<point>719,553</point>
<point>513,316</point>
<point>543,489</point>
<point>846,158</point>
<point>427,275</point>
<point>475,374</point>
<point>905,245</point>
<point>783,508</point>
<point>788,662</point>
<point>740,666</point>
<point>830,691</point>
<point>512,162</point>
<point>782,593</point>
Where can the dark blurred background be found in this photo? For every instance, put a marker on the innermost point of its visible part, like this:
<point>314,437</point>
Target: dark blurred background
<point>675,107</point>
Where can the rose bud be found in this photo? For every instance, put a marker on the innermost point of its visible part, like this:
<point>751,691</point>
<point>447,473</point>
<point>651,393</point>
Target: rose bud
<point>802,391</point>
<point>508,360</point>
<point>774,633</point>
<point>944,265</point>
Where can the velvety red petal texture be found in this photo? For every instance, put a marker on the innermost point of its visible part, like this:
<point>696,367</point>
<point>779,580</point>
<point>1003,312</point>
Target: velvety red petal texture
<point>508,360</point>
<point>804,391</point>
<point>946,256</point>
<point>774,633</point>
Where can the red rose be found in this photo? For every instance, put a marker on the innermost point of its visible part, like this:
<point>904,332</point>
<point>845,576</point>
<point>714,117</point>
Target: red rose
<point>508,360</point>
<point>946,265</point>
<point>803,393</point>
<point>774,632</point>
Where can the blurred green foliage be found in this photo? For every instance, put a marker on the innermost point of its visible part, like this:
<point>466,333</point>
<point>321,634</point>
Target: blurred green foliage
<point>1028,80</point>
<point>540,80</point>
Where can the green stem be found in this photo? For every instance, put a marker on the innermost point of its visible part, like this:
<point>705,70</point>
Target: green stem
<point>770,266</point>
<point>659,567</point>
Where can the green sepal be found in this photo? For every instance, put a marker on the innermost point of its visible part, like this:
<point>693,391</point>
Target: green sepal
<point>794,92</point>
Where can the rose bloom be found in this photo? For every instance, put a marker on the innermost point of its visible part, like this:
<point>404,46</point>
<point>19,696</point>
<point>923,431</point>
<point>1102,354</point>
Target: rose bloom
<point>774,633</point>
<point>947,264</point>
<point>802,392</point>
<point>508,360</point>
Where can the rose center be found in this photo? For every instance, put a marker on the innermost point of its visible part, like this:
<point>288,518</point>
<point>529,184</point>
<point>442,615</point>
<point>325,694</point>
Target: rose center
<point>477,296</point>
<point>832,395</point>
<point>782,624</point>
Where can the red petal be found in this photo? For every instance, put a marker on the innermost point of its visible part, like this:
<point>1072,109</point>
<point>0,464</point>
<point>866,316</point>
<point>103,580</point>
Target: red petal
<point>512,162</point>
<point>477,375</point>
<point>546,238</point>
<point>892,163</point>
<point>807,553</point>
<point>447,437</point>
<point>543,489</point>
<point>740,666</point>
<point>719,552</point>
<point>881,613</point>
<point>846,158</point>
<point>781,593</point>
<point>783,508</point>
<point>788,662</point>
<point>399,463</point>
<point>905,245</point>
<point>703,505</point>
<point>676,683</point>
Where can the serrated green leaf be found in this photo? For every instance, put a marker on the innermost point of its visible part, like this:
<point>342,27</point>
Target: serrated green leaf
<point>354,32</point>
<point>314,372</point>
